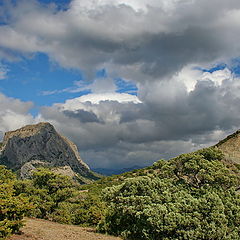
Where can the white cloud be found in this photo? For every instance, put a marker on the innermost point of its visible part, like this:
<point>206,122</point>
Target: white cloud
<point>143,5</point>
<point>102,89</point>
<point>101,97</point>
<point>218,76</point>
<point>190,75</point>
<point>14,113</point>
<point>167,121</point>
<point>103,85</point>
<point>161,38</point>
<point>154,43</point>
<point>19,41</point>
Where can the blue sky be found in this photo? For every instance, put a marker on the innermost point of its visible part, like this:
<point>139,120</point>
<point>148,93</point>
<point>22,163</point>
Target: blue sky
<point>129,82</point>
<point>33,76</point>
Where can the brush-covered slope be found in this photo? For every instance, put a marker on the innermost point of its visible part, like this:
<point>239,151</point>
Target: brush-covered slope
<point>40,145</point>
<point>230,147</point>
<point>193,196</point>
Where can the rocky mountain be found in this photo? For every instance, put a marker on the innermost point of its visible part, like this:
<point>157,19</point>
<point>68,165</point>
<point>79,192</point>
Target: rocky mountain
<point>40,145</point>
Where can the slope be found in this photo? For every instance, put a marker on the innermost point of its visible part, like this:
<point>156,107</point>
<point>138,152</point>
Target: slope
<point>37,229</point>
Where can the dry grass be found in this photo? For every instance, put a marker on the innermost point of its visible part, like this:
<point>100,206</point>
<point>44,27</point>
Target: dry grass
<point>38,229</point>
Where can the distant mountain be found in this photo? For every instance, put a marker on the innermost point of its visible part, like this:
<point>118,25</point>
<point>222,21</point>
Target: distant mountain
<point>40,145</point>
<point>110,172</point>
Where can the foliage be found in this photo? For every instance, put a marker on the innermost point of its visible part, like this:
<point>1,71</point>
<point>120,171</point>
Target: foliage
<point>12,207</point>
<point>192,197</point>
<point>59,198</point>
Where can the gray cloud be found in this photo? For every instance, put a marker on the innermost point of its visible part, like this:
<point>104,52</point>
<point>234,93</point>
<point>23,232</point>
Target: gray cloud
<point>157,42</point>
<point>14,114</point>
<point>169,117</point>
<point>150,43</point>
<point>83,116</point>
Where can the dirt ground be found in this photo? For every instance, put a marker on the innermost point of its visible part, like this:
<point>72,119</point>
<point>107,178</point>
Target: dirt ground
<point>37,229</point>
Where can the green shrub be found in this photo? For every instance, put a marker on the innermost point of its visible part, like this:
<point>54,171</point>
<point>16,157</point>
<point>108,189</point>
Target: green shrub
<point>192,197</point>
<point>146,208</point>
<point>12,207</point>
<point>58,198</point>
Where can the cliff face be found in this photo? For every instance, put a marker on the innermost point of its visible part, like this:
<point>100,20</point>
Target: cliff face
<point>230,147</point>
<point>40,145</point>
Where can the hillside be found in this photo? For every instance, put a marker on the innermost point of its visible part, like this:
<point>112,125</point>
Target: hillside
<point>230,147</point>
<point>192,196</point>
<point>38,229</point>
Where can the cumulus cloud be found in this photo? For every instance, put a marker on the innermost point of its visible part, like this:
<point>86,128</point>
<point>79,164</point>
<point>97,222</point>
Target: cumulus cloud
<point>191,74</point>
<point>169,119</point>
<point>96,98</point>
<point>160,45</point>
<point>138,40</point>
<point>14,113</point>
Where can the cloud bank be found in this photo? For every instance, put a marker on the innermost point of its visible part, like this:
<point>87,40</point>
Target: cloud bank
<point>168,121</point>
<point>162,46</point>
<point>143,40</point>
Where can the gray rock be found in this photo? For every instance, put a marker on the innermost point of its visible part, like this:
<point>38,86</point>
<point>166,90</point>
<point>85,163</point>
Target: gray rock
<point>41,145</point>
<point>29,167</point>
<point>230,147</point>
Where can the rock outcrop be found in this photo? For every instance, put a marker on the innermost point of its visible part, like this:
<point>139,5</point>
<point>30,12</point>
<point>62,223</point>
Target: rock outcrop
<point>40,145</point>
<point>230,147</point>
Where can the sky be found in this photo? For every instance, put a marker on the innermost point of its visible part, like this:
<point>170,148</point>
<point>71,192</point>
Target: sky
<point>129,81</point>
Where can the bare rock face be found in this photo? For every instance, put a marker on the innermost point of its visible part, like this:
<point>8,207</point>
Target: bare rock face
<point>29,167</point>
<point>230,147</point>
<point>40,145</point>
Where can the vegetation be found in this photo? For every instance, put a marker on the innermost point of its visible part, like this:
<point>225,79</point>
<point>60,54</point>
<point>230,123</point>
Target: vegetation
<point>58,198</point>
<point>50,196</point>
<point>193,196</point>
<point>12,207</point>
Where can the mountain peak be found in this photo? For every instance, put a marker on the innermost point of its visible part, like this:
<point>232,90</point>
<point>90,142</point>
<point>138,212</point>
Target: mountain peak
<point>28,130</point>
<point>40,145</point>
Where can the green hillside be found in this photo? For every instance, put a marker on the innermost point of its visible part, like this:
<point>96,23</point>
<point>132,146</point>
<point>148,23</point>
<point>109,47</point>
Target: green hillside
<point>192,196</point>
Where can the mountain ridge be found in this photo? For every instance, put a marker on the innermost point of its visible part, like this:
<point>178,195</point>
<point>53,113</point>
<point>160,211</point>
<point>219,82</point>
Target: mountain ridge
<point>40,145</point>
<point>230,147</point>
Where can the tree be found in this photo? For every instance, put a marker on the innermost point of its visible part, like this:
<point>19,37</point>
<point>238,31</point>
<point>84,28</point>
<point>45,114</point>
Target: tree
<point>190,197</point>
<point>59,198</point>
<point>12,207</point>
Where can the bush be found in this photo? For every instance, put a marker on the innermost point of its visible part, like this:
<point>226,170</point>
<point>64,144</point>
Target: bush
<point>12,207</point>
<point>192,197</point>
<point>146,208</point>
<point>58,198</point>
